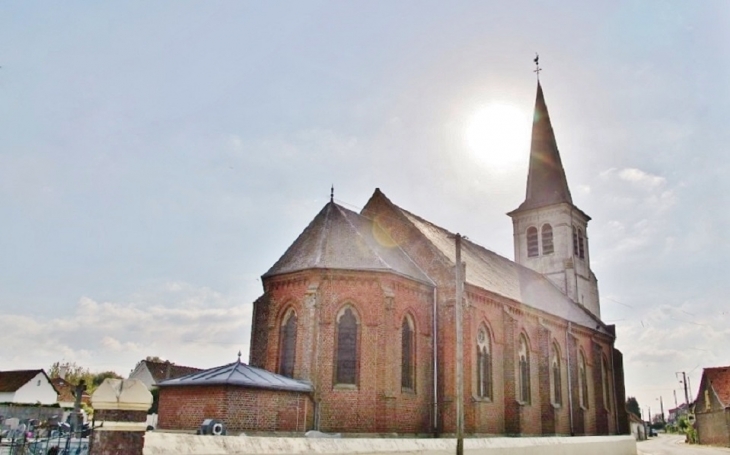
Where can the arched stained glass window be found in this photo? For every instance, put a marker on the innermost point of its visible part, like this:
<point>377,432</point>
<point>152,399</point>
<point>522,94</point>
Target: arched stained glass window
<point>288,344</point>
<point>606,384</point>
<point>582,381</point>
<point>556,393</point>
<point>484,364</point>
<point>524,370</point>
<point>408,356</point>
<point>532,243</point>
<point>346,351</point>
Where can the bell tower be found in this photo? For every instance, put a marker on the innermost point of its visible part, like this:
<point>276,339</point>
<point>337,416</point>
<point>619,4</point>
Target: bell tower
<point>550,233</point>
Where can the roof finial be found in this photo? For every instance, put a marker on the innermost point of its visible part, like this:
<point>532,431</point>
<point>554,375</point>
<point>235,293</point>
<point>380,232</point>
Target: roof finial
<point>239,356</point>
<point>332,193</point>
<point>537,66</point>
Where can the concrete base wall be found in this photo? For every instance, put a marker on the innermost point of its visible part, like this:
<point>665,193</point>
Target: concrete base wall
<point>157,443</point>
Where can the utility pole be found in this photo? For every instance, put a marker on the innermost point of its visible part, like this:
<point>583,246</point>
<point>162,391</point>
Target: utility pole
<point>675,399</point>
<point>684,382</point>
<point>689,387</point>
<point>661,406</point>
<point>459,351</point>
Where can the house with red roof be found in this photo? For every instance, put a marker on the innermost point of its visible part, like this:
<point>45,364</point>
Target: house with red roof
<point>27,386</point>
<point>67,393</point>
<point>712,408</point>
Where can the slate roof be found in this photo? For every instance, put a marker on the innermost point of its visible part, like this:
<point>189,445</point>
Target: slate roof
<point>240,374</point>
<point>546,181</point>
<point>11,381</point>
<point>167,370</point>
<point>490,271</point>
<point>718,378</point>
<point>338,238</point>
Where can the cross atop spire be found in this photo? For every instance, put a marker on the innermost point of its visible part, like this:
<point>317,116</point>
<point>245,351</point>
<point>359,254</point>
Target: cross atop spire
<point>332,193</point>
<point>537,66</point>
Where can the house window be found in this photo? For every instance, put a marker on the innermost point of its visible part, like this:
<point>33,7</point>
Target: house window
<point>288,344</point>
<point>556,394</point>
<point>582,381</point>
<point>484,364</point>
<point>532,247</point>
<point>346,350</point>
<point>524,371</point>
<point>408,357</point>
<point>606,384</point>
<point>38,384</point>
<point>547,239</point>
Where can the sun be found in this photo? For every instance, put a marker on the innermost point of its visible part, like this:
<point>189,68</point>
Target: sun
<point>498,135</point>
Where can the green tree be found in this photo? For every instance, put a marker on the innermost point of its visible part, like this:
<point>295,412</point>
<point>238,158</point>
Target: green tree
<point>98,378</point>
<point>74,374</point>
<point>633,406</point>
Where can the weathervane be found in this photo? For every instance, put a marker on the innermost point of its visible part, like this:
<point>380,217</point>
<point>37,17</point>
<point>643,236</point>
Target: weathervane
<point>537,65</point>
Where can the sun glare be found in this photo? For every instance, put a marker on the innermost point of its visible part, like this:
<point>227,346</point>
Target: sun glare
<point>499,135</point>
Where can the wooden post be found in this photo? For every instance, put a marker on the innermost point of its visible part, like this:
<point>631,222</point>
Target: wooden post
<point>120,413</point>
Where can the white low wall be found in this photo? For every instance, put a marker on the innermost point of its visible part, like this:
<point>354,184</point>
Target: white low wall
<point>185,444</point>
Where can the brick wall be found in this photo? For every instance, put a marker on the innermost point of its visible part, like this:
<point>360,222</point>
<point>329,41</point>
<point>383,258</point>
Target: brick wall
<point>185,408</point>
<point>713,428</point>
<point>381,300</point>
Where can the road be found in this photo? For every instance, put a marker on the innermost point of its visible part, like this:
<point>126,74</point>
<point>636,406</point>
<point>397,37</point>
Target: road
<point>670,444</point>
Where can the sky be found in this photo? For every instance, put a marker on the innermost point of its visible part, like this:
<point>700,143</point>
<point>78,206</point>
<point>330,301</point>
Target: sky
<point>157,158</point>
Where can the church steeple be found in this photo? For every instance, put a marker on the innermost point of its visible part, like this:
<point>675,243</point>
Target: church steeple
<point>550,233</point>
<point>546,182</point>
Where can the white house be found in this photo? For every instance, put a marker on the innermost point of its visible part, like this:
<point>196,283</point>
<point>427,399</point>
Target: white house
<point>151,372</point>
<point>27,386</point>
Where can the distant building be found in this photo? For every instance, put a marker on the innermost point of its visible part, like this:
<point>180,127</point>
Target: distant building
<point>27,386</point>
<point>67,393</point>
<point>712,407</point>
<point>638,427</point>
<point>674,414</point>
<point>362,306</point>
<point>151,372</point>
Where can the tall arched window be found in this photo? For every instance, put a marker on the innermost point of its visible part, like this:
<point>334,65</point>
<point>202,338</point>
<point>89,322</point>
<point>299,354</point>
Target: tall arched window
<point>547,239</point>
<point>524,370</point>
<point>408,354</point>
<point>606,384</point>
<point>288,344</point>
<point>532,245</point>
<point>556,393</point>
<point>582,381</point>
<point>346,350</point>
<point>581,244</point>
<point>575,241</point>
<point>484,364</point>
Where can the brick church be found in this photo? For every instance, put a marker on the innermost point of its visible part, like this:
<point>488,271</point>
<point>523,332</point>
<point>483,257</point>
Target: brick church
<point>362,307</point>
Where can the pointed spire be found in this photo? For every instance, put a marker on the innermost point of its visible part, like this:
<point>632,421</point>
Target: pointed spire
<point>546,182</point>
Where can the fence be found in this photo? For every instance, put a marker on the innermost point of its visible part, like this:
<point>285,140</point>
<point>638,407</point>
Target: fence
<point>42,441</point>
